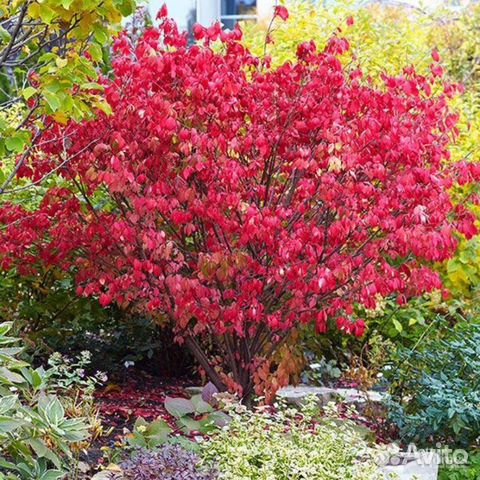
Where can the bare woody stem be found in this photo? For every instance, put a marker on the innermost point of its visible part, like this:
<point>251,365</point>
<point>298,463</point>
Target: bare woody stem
<point>202,359</point>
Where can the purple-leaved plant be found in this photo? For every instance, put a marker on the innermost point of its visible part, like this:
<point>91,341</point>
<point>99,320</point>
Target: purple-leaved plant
<point>170,462</point>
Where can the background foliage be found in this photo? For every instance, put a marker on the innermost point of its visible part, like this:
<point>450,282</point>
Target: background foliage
<point>435,389</point>
<point>50,52</point>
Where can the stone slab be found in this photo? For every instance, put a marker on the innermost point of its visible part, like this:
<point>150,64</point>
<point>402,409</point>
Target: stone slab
<point>194,390</point>
<point>107,475</point>
<point>296,395</point>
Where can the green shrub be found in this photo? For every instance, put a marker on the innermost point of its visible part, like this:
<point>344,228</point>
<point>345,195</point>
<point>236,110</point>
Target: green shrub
<point>53,318</point>
<point>435,388</point>
<point>36,435</point>
<point>288,445</point>
<point>319,370</point>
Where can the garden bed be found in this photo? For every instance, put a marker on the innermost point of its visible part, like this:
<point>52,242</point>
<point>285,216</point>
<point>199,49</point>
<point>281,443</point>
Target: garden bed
<point>287,211</point>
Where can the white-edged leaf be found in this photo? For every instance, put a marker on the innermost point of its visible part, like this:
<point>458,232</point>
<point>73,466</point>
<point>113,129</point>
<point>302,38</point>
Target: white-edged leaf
<point>7,403</point>
<point>54,411</point>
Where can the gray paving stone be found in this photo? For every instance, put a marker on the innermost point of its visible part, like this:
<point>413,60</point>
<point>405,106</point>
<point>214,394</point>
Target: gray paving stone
<point>296,395</point>
<point>194,390</point>
<point>107,475</point>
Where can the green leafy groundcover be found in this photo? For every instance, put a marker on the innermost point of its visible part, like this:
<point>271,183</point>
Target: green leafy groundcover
<point>289,445</point>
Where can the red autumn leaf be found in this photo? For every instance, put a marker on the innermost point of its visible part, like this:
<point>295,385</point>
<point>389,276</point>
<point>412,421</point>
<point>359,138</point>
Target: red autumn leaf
<point>281,12</point>
<point>163,12</point>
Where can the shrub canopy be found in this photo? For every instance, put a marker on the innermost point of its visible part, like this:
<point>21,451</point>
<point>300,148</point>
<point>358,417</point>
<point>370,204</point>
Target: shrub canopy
<point>237,201</point>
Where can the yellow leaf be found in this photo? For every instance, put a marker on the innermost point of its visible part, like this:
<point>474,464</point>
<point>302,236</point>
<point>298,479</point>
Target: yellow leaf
<point>60,117</point>
<point>61,62</point>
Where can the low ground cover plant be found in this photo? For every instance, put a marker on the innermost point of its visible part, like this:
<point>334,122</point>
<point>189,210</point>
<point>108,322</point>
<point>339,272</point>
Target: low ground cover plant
<point>190,416</point>
<point>268,443</point>
<point>470,471</point>
<point>170,462</point>
<point>289,445</point>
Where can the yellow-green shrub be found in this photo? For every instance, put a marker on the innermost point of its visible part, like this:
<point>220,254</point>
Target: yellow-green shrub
<point>382,38</point>
<point>50,54</point>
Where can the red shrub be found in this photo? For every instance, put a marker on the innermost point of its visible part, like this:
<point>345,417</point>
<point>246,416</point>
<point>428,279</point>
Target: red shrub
<point>238,201</point>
